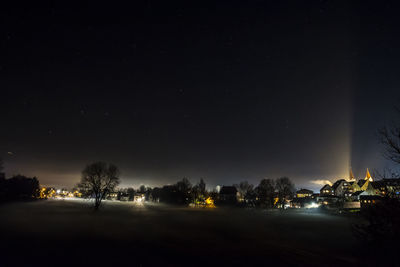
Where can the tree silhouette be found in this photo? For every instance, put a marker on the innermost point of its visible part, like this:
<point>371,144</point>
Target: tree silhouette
<point>390,138</point>
<point>202,187</point>
<point>183,188</point>
<point>98,180</point>
<point>142,189</point>
<point>244,188</point>
<point>198,192</point>
<point>266,192</point>
<point>19,187</point>
<point>285,189</point>
<point>184,185</point>
<point>131,193</point>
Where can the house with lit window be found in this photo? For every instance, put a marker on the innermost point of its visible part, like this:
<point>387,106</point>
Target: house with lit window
<point>327,190</point>
<point>389,187</point>
<point>362,193</point>
<point>369,200</point>
<point>304,193</point>
<point>112,196</point>
<point>342,188</point>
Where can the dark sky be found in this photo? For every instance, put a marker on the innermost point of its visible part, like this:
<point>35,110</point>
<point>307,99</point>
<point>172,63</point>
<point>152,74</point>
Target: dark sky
<point>238,90</point>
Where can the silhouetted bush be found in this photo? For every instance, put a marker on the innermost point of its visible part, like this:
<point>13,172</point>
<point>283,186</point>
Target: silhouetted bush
<point>381,227</point>
<point>19,187</point>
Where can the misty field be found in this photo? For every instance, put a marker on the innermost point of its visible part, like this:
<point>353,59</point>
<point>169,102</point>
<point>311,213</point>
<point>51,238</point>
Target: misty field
<point>68,232</point>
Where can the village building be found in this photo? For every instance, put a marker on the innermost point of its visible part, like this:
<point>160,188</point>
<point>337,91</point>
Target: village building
<point>303,198</point>
<point>112,196</point>
<point>315,195</point>
<point>371,190</point>
<point>363,184</point>
<point>355,186</point>
<point>304,193</point>
<point>356,196</point>
<point>342,188</point>
<point>390,187</point>
<point>361,193</point>
<point>326,190</point>
<point>328,200</point>
<point>369,200</point>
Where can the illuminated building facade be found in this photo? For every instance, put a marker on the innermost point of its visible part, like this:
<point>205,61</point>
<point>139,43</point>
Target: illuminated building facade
<point>342,188</point>
<point>303,193</point>
<point>327,190</point>
<point>365,191</point>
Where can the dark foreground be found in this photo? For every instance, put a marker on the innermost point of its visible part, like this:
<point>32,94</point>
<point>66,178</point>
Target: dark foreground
<point>66,232</point>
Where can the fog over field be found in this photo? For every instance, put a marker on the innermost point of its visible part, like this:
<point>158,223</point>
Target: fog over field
<point>157,235</point>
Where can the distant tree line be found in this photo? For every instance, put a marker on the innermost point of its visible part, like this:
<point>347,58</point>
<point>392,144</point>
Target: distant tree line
<point>181,193</point>
<point>100,180</point>
<point>18,187</point>
<point>269,193</point>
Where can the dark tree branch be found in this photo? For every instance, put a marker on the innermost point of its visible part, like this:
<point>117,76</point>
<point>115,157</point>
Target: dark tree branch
<point>98,180</point>
<point>390,138</point>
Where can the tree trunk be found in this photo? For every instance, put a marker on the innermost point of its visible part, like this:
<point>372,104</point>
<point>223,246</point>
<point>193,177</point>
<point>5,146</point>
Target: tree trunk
<point>97,203</point>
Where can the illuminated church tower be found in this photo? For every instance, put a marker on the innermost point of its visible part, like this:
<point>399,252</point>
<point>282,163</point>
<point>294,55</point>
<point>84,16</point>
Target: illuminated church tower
<point>368,176</point>
<point>353,182</point>
<point>366,181</point>
<point>351,176</point>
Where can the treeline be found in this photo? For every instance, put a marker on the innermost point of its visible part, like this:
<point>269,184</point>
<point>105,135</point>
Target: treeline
<point>268,194</point>
<point>99,181</point>
<point>18,187</point>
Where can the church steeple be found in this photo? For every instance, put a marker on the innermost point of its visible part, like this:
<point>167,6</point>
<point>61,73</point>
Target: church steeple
<point>368,176</point>
<point>351,176</point>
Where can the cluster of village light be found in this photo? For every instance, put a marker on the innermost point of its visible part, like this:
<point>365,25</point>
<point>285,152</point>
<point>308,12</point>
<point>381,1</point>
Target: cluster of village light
<point>50,192</point>
<point>352,193</point>
<point>53,193</point>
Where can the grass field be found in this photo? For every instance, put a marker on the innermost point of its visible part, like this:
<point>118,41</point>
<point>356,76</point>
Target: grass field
<point>69,232</point>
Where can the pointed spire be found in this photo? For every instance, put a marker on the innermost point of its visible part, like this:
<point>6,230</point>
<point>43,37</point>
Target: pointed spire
<point>351,175</point>
<point>368,176</point>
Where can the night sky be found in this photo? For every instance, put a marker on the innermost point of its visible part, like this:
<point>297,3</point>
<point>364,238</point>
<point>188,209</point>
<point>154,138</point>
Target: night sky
<point>241,90</point>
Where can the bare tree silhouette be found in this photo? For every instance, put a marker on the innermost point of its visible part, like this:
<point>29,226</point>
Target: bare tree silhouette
<point>265,192</point>
<point>390,138</point>
<point>285,189</point>
<point>98,180</point>
<point>244,188</point>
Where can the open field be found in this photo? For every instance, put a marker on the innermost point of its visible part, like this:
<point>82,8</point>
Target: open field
<point>69,232</point>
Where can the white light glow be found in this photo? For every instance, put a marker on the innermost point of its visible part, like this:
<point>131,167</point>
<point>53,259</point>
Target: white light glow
<point>312,205</point>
